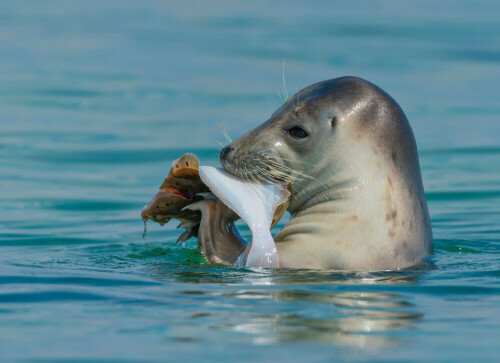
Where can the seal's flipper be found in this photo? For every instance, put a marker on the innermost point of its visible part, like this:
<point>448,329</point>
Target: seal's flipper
<point>255,203</point>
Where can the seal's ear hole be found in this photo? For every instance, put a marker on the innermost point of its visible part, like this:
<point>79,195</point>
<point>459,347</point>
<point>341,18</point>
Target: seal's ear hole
<point>333,120</point>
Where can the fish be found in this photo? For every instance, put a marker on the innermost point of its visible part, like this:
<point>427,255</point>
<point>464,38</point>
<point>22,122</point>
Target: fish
<point>180,188</point>
<point>255,203</point>
<point>208,200</point>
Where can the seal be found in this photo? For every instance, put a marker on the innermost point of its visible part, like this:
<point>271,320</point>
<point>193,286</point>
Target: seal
<point>348,154</point>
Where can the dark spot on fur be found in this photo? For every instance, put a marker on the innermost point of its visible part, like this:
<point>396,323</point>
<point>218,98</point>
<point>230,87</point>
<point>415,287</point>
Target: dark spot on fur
<point>348,219</point>
<point>391,215</point>
<point>394,157</point>
<point>405,246</point>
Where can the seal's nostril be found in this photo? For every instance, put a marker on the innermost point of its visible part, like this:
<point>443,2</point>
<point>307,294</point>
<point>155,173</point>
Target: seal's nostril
<point>224,152</point>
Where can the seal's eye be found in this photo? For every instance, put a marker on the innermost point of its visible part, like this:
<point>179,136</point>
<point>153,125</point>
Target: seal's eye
<point>297,132</point>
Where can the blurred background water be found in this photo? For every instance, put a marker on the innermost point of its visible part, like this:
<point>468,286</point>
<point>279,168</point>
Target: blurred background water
<point>98,97</point>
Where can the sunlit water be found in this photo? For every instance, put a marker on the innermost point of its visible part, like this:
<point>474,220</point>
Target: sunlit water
<point>97,98</point>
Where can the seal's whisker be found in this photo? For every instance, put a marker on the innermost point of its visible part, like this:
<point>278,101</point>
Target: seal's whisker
<point>256,175</point>
<point>275,167</point>
<point>261,172</point>
<point>285,92</point>
<point>275,171</point>
<point>282,158</point>
<point>281,98</point>
<point>247,178</point>
<point>267,174</point>
<point>264,150</point>
<point>277,164</point>
<point>298,161</point>
<point>270,158</point>
<point>253,175</point>
<point>298,92</point>
<point>243,174</point>
<point>272,170</point>
<point>224,132</point>
<point>291,171</point>
<point>247,175</point>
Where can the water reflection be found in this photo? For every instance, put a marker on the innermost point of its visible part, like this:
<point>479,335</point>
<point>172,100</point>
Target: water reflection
<point>287,306</point>
<point>362,319</point>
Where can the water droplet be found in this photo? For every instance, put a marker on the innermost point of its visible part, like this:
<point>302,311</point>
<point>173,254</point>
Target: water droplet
<point>145,233</point>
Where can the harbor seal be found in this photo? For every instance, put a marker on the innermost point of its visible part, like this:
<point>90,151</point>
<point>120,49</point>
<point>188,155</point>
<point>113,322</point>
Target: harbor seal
<point>348,154</point>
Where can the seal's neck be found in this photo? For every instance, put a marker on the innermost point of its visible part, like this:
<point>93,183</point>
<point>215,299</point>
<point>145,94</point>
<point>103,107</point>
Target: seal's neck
<point>350,213</point>
<point>331,184</point>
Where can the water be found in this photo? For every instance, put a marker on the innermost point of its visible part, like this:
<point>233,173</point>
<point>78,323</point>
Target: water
<point>97,98</point>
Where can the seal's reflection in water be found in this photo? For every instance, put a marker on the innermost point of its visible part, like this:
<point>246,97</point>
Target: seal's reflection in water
<point>355,319</point>
<point>275,306</point>
<point>358,318</point>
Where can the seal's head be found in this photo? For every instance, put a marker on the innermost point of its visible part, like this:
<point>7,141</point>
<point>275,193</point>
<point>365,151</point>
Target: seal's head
<point>340,140</point>
<point>323,131</point>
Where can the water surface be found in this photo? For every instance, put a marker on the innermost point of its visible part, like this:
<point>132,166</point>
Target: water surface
<point>97,98</point>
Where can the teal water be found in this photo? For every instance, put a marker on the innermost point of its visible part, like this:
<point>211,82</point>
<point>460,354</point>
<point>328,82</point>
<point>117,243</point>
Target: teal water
<point>98,97</point>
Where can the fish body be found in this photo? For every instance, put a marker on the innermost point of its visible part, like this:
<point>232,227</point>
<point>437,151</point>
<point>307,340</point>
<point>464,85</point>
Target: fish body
<point>208,200</point>
<point>255,203</point>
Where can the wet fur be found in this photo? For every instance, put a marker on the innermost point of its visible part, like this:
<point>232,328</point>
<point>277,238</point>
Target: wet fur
<point>357,196</point>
